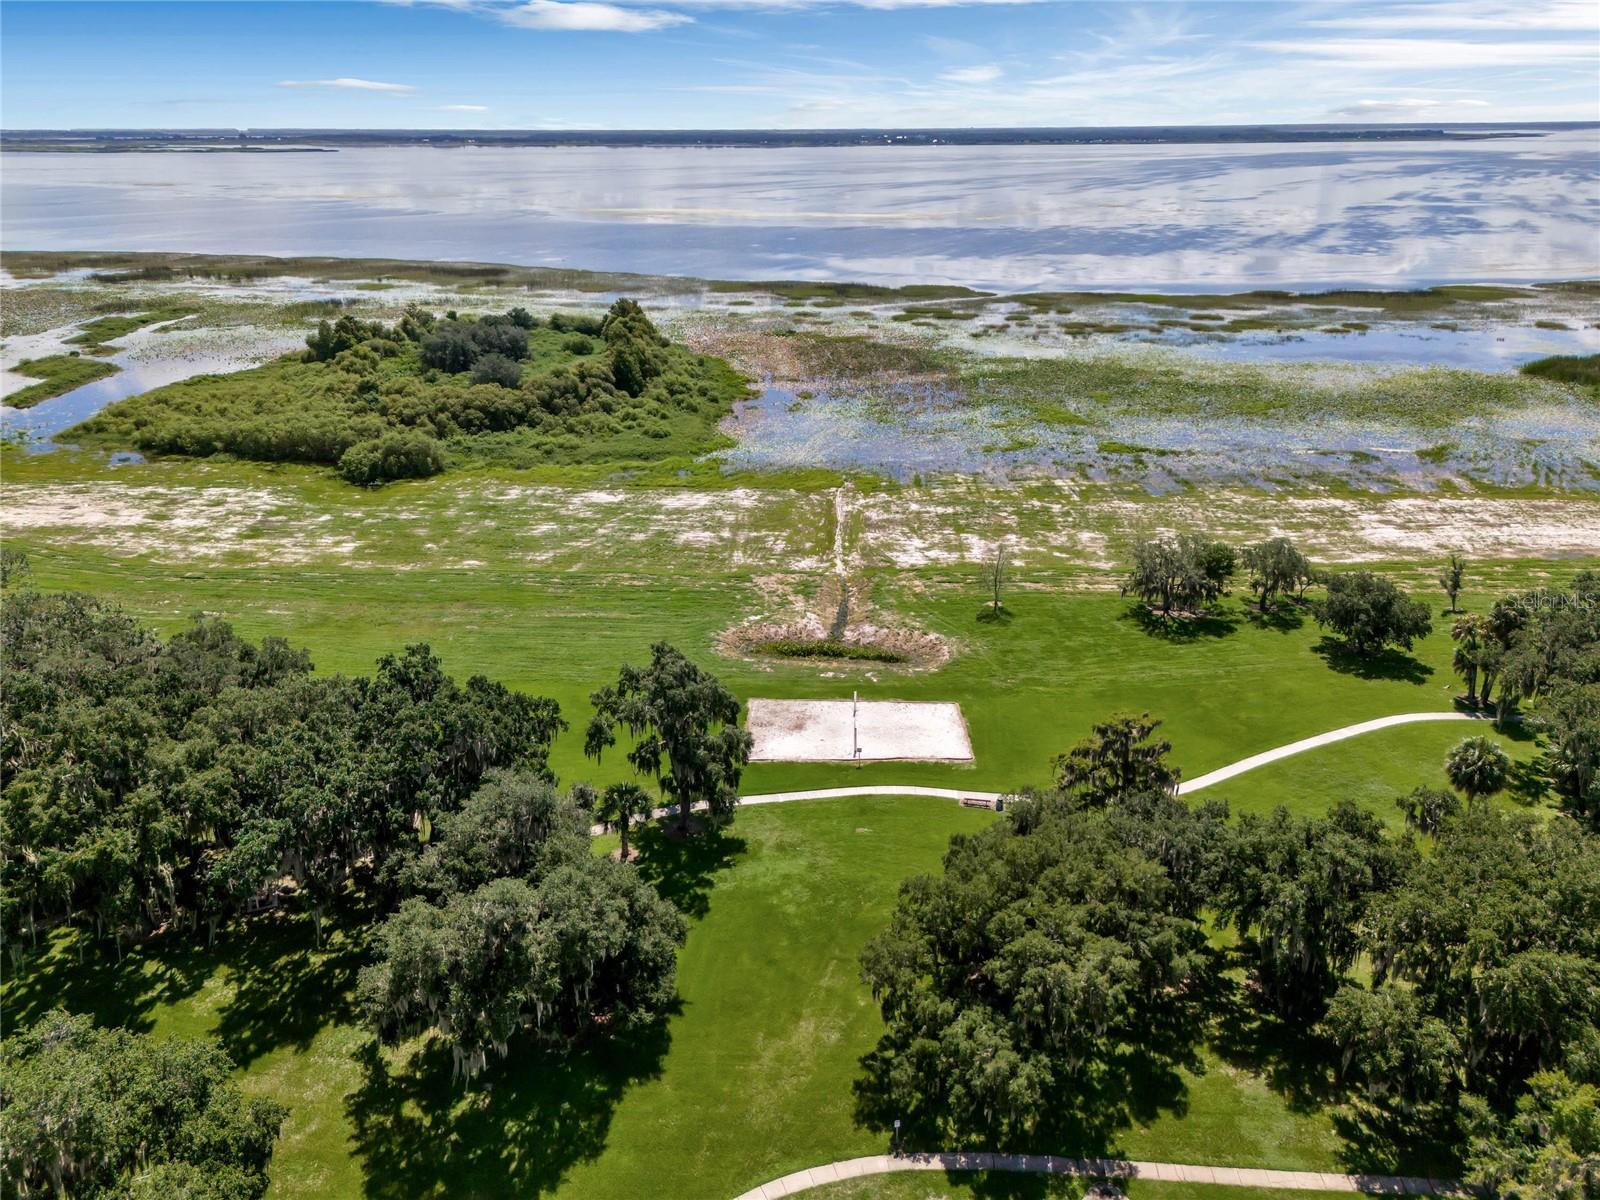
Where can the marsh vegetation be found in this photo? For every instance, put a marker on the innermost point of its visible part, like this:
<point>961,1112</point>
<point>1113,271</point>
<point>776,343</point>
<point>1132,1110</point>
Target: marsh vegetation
<point>387,402</point>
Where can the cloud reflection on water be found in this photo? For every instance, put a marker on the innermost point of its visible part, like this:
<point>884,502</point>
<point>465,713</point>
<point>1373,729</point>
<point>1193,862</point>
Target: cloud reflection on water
<point>1008,217</point>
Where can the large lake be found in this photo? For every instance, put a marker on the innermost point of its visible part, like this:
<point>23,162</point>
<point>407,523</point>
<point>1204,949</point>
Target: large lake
<point>1185,217</point>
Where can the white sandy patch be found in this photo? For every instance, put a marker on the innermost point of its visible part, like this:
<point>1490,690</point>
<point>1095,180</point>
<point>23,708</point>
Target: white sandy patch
<point>882,730</point>
<point>26,347</point>
<point>1046,527</point>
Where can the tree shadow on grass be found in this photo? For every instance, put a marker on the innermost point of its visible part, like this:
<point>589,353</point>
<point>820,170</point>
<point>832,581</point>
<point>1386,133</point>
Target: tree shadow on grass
<point>684,869</point>
<point>278,990</point>
<point>285,990</point>
<point>988,615</point>
<point>524,1124</point>
<point>1299,1066</point>
<point>1382,664</point>
<point>1294,1062</point>
<point>1529,782</point>
<point>163,970</point>
<point>1379,1141</point>
<point>1281,618</point>
<point>1515,729</point>
<point>1190,627</point>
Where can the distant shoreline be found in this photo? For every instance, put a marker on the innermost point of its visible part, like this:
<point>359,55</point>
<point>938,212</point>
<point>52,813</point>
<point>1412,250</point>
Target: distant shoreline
<point>156,266</point>
<point>110,141</point>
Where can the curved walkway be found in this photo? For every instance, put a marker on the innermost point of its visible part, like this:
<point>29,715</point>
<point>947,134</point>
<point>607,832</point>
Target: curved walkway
<point>1100,1168</point>
<point>1184,788</point>
<point>1321,739</point>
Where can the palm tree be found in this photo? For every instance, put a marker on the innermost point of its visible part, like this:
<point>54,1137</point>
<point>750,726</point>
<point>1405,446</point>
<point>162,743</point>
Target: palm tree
<point>1477,767</point>
<point>1468,634</point>
<point>620,805</point>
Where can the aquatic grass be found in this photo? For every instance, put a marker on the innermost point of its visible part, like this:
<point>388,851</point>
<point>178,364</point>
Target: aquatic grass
<point>57,374</point>
<point>94,335</point>
<point>1174,384</point>
<point>1112,447</point>
<point>1566,368</point>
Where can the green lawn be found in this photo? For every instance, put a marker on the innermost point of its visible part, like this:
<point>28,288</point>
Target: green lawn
<point>751,1077</point>
<point>750,1080</point>
<point>1028,688</point>
<point>1372,770</point>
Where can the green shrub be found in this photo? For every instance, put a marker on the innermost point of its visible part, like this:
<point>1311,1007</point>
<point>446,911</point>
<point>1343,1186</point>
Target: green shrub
<point>828,648</point>
<point>332,340</point>
<point>396,456</point>
<point>571,323</point>
<point>497,369</point>
<point>450,349</point>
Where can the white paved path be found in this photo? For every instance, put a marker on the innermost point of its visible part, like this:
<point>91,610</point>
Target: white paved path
<point>1184,788</point>
<point>1322,739</point>
<point>1100,1168</point>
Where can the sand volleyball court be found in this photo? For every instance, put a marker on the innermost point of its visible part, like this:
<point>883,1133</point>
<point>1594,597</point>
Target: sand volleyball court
<point>860,731</point>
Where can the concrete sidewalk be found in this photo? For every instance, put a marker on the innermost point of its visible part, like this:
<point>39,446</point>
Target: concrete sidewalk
<point>1184,788</point>
<point>1100,1168</point>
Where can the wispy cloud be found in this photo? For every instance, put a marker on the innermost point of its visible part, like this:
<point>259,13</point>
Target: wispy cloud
<point>463,108</point>
<point>987,73</point>
<point>544,14</point>
<point>1128,62</point>
<point>1532,16</point>
<point>358,85</point>
<point>590,15</point>
<point>1402,106</point>
<point>1419,54</point>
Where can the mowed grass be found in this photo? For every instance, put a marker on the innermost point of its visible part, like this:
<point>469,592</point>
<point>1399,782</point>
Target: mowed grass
<point>750,1079</point>
<point>1373,769</point>
<point>1231,687</point>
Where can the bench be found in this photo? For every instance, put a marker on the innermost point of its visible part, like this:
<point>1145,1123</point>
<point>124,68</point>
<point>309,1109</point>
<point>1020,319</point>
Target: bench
<point>976,802</point>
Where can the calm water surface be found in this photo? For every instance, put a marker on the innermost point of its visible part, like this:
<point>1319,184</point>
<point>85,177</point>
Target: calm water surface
<point>1007,217</point>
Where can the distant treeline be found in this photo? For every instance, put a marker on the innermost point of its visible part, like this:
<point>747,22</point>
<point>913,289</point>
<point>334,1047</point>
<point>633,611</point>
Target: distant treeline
<point>162,139</point>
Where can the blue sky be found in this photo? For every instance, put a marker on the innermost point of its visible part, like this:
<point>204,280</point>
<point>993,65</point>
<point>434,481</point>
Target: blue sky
<point>641,64</point>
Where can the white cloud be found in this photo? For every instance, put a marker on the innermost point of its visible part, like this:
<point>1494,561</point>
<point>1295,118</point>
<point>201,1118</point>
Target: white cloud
<point>359,85</point>
<point>463,108</point>
<point>538,14</point>
<point>1402,106</point>
<point>587,15</point>
<point>1516,15</point>
<point>882,5</point>
<point>1422,54</point>
<point>987,73</point>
